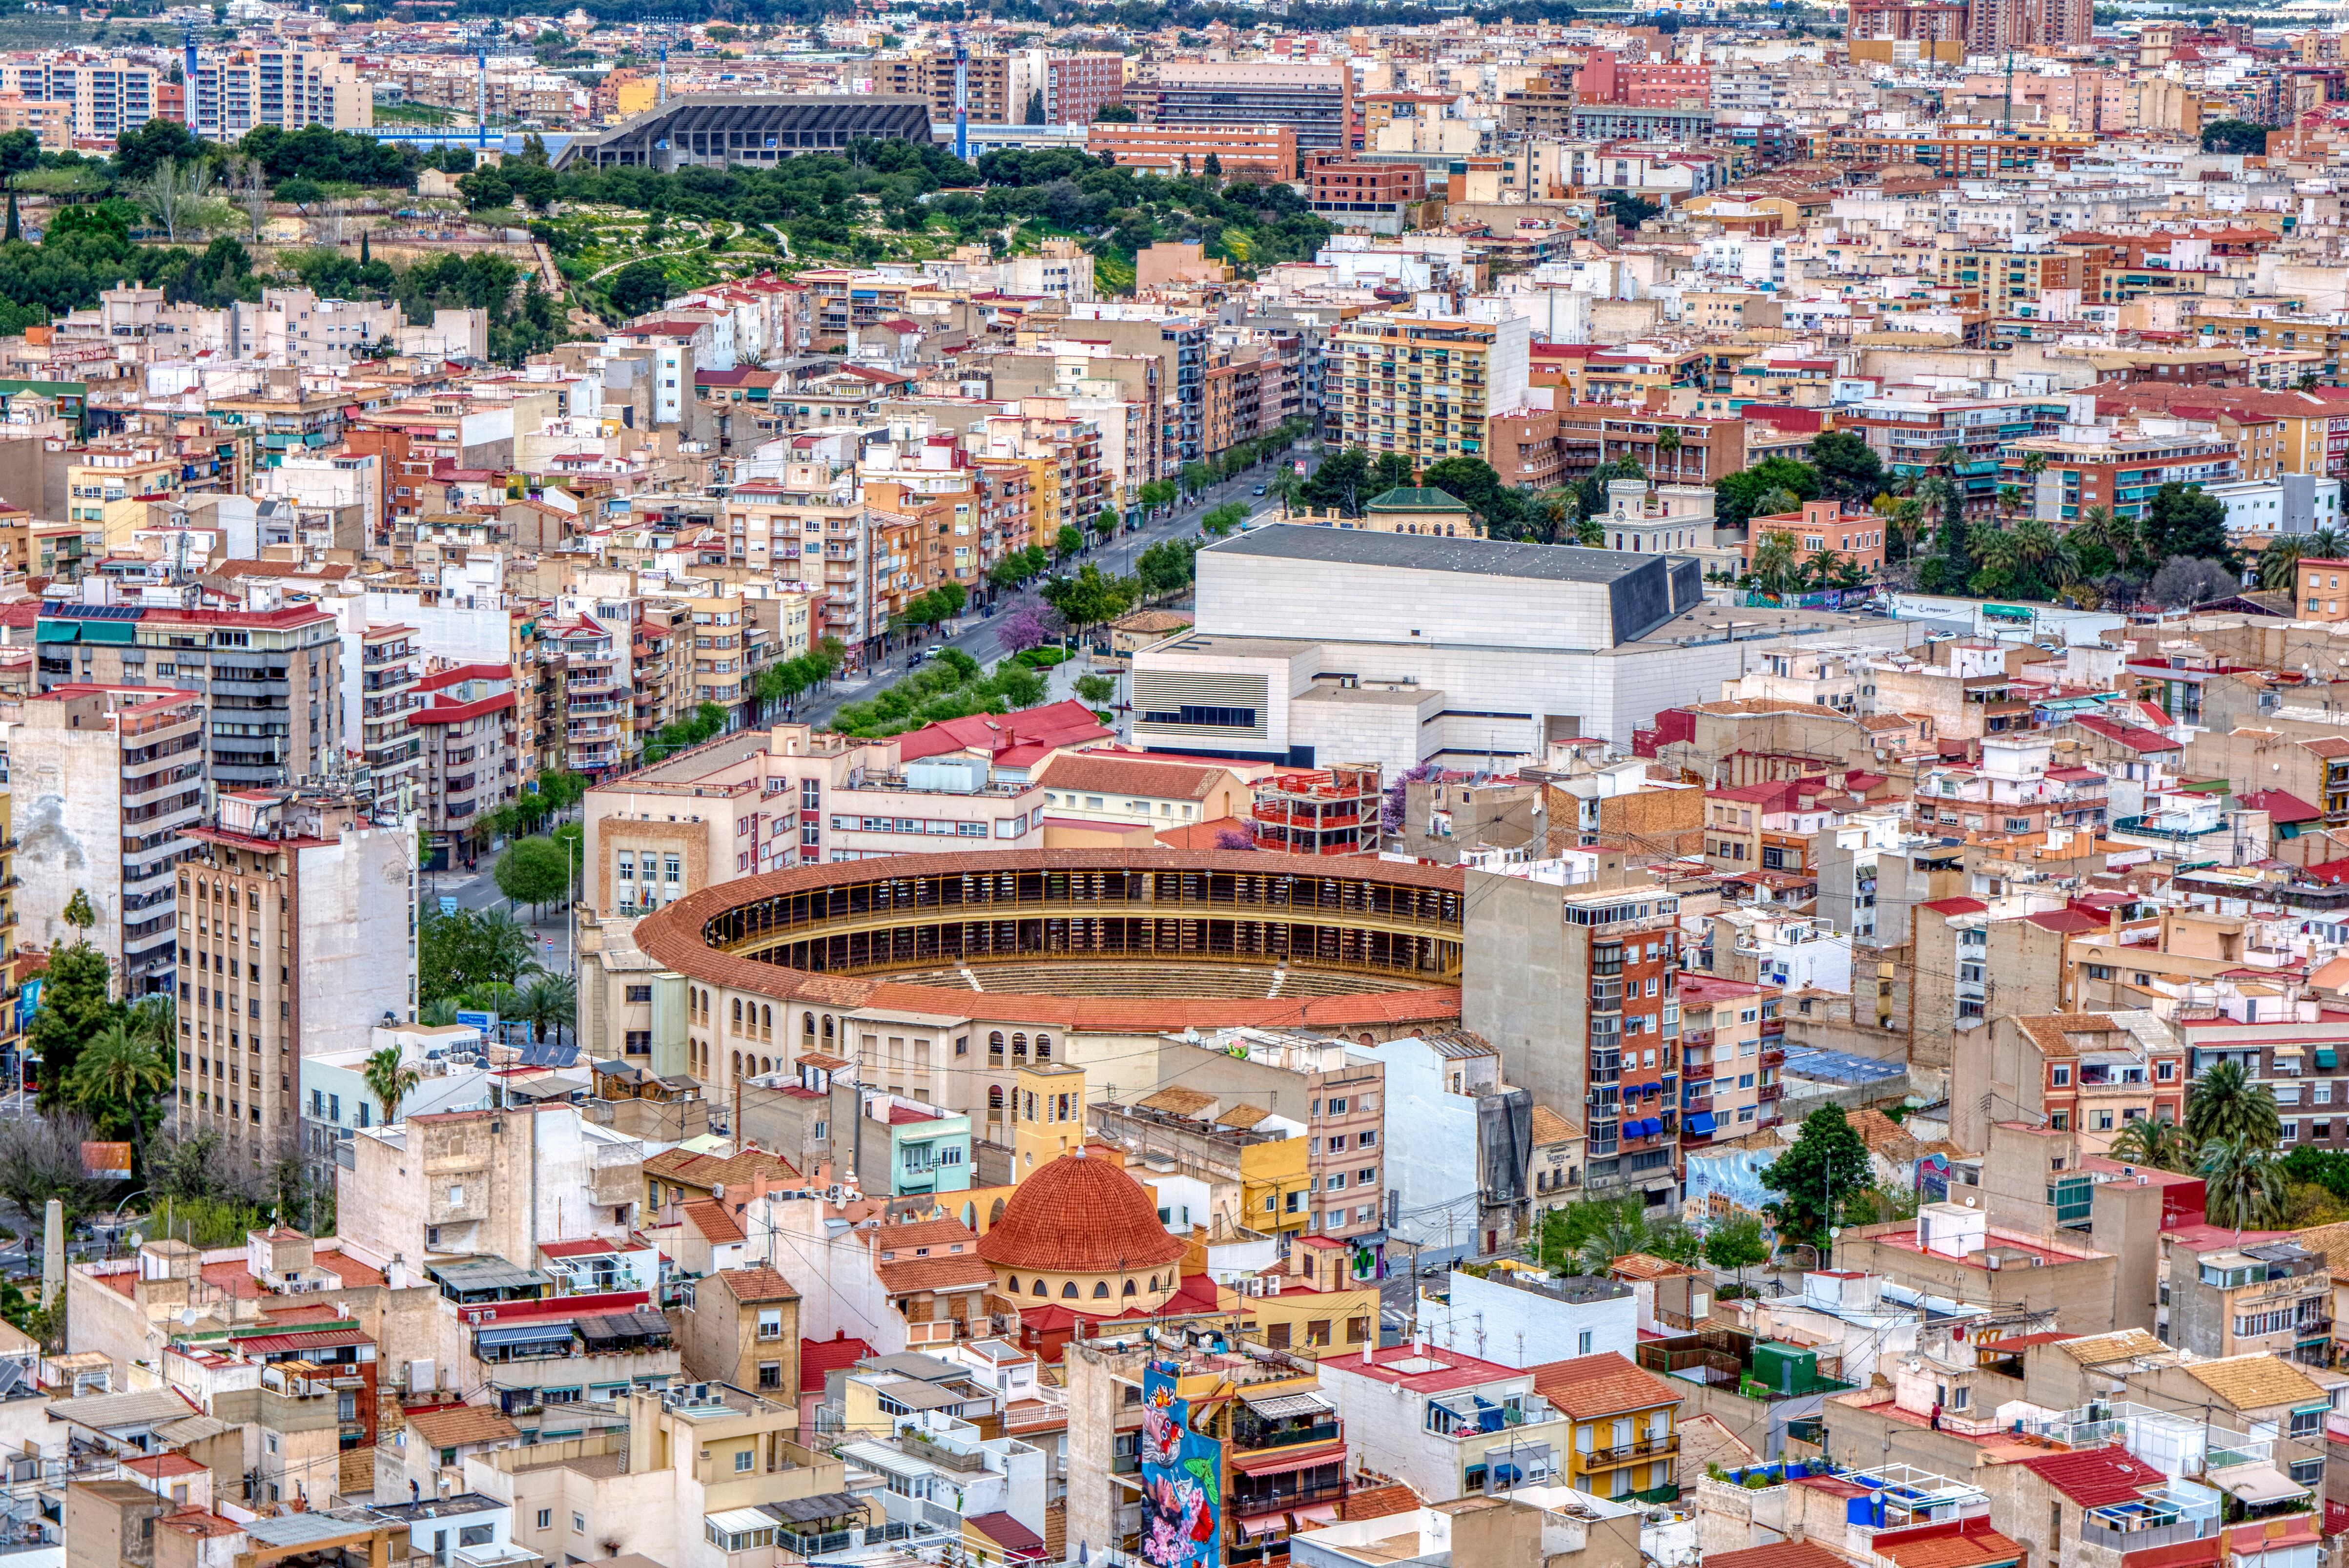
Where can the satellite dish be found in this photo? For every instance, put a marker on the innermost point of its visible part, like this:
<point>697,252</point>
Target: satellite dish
<point>134,1240</point>
<point>187,1317</point>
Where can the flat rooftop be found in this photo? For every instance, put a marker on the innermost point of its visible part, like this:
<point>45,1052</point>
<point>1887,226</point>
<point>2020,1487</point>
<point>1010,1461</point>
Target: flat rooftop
<point>1431,553</point>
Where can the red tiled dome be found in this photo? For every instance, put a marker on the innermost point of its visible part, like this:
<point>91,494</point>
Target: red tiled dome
<point>1080,1215</point>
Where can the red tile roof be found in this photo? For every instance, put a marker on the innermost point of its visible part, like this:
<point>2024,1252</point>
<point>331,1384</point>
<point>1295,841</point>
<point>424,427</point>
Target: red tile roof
<point>1959,906</point>
<point>1606,1384</point>
<point>818,1357</point>
<point>1080,1215</point>
<point>1777,1555</point>
<point>2093,1477</point>
<point>2282,806</point>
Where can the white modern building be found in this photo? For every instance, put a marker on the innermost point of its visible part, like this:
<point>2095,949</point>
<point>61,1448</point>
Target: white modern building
<point>1523,1318</point>
<point>1346,645</point>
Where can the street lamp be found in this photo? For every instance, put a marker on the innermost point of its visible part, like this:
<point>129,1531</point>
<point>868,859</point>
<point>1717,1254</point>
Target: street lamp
<point>112,1225</point>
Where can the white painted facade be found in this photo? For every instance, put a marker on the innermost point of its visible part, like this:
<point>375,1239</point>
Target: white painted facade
<point>1528,1324</point>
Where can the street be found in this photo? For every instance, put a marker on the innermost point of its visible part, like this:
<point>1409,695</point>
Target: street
<point>980,636</point>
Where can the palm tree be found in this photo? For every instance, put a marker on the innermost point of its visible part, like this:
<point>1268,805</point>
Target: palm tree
<point>2038,550</point>
<point>390,1081</point>
<point>1286,483</point>
<point>1826,567</point>
<point>117,1079</point>
<point>2242,1184</point>
<point>1777,561</point>
<point>508,951</point>
<point>2222,1105</point>
<point>2163,1146</point>
<point>2279,559</point>
<point>1590,531</point>
<point>1668,447</point>
<point>1624,1232</point>
<point>2010,501</point>
<point>550,1001</point>
<point>2098,526</point>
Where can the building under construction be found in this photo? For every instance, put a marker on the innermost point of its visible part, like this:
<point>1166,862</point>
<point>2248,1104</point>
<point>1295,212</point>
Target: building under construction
<point>714,129</point>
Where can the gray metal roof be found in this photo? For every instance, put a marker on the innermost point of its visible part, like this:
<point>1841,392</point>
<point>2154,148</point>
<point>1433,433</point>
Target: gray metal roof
<point>138,1407</point>
<point>313,1527</point>
<point>486,1274</point>
<point>1429,553</point>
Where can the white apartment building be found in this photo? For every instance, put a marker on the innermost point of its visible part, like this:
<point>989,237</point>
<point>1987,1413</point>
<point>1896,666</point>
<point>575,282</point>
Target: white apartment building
<point>103,779</point>
<point>286,87</point>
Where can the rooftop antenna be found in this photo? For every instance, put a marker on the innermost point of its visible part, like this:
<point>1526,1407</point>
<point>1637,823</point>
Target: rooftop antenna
<point>2006,114</point>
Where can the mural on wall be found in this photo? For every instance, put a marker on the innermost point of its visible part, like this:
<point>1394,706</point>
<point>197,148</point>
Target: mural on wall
<point>1181,1480</point>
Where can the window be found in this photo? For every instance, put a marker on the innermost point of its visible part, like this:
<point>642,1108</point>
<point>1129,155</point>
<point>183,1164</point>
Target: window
<point>641,993</point>
<point>546,1519</point>
<point>770,1375</point>
<point>2059,1076</point>
<point>1582,1343</point>
<point>743,1459</point>
<point>770,1323</point>
<point>578,1525</point>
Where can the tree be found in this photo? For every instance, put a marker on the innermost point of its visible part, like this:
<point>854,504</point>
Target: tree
<point>2234,136</point>
<point>1343,483</point>
<point>2162,1146</point>
<point>1738,497</point>
<point>1389,471</point>
<point>2242,1185</point>
<point>1286,485</point>
<point>1221,520</point>
<point>1027,628</point>
<point>2187,519</point>
<point>1472,481</point>
<point>1114,114</point>
<point>1824,1166</point>
<point>549,1002</point>
<point>533,871</point>
<point>1847,467</point>
<point>1067,542</point>
<point>1235,838</point>
<point>78,913</point>
<point>390,1080</point>
<point>1213,168</point>
<point>637,287</point>
<point>178,196</point>
<point>1166,567</point>
<point>158,142</point>
<point>1035,114</point>
<point>1777,562</point>
<point>16,230</point>
<point>1668,449</point>
<point>2223,1106</point>
<point>2182,582</point>
<point>40,1158</point>
<point>77,1004</point>
<point>1089,598</point>
<point>118,1081</point>
<point>1737,1243</point>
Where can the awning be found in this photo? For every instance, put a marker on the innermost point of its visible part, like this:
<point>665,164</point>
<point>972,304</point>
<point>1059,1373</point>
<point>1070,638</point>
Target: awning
<point>2258,1483</point>
<point>2325,1056</point>
<point>1699,1122</point>
<point>1280,1406</point>
<point>524,1334</point>
<point>121,631</point>
<point>57,631</point>
<point>1275,1462</point>
<point>741,1521</point>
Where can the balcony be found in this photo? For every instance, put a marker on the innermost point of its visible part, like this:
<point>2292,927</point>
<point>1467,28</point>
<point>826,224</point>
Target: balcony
<point>1625,1453</point>
<point>1769,1092</point>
